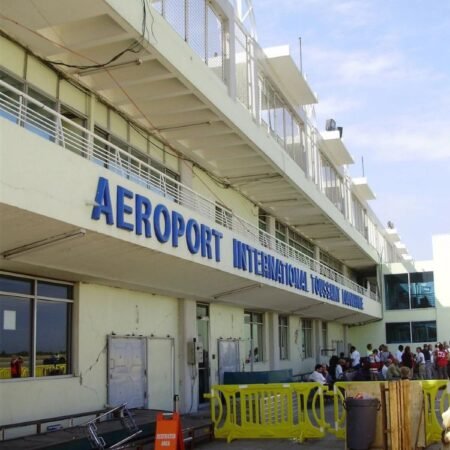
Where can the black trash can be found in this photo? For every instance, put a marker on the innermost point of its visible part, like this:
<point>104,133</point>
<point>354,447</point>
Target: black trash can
<point>361,422</point>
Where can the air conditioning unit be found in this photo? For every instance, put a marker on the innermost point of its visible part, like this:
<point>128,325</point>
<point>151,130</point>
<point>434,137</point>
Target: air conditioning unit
<point>330,125</point>
<point>391,225</point>
<point>341,130</point>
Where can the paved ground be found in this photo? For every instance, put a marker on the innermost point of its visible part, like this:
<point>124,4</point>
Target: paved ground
<point>280,444</point>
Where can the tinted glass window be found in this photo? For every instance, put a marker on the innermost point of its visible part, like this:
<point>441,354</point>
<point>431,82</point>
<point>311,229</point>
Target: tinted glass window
<point>398,332</point>
<point>422,290</point>
<point>16,285</point>
<point>54,290</point>
<point>397,291</point>
<point>15,337</point>
<point>424,331</point>
<point>52,330</point>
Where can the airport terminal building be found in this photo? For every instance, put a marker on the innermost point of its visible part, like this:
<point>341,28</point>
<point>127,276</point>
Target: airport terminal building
<point>170,212</point>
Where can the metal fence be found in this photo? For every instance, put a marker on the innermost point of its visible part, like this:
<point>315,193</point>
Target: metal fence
<point>200,26</point>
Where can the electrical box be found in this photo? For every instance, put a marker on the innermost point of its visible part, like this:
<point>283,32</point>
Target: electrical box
<point>194,352</point>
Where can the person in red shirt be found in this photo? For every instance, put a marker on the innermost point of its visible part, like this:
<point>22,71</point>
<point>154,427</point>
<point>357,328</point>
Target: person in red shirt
<point>441,363</point>
<point>16,366</point>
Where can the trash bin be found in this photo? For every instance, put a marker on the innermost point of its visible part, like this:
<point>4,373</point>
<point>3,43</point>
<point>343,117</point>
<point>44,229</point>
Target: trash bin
<point>361,422</point>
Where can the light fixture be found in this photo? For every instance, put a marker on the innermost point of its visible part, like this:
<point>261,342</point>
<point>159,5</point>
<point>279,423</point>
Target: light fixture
<point>43,243</point>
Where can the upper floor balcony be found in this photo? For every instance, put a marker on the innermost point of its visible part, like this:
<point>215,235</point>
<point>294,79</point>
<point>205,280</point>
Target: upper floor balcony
<point>199,82</point>
<point>95,152</point>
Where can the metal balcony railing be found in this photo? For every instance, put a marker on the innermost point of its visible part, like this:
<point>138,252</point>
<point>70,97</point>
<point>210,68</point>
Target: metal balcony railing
<point>33,115</point>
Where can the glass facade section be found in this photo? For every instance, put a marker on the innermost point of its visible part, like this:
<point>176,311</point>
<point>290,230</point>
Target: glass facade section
<point>422,290</point>
<point>416,332</point>
<point>424,331</point>
<point>397,291</point>
<point>398,332</point>
<point>410,291</point>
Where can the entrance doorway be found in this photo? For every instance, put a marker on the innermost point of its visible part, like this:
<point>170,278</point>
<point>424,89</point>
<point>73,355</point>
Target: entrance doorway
<point>203,338</point>
<point>127,362</point>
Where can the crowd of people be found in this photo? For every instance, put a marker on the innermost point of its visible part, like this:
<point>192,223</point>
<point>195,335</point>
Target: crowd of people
<point>428,362</point>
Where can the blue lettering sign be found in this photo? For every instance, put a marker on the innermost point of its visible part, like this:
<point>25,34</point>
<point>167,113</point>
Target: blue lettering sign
<point>135,212</point>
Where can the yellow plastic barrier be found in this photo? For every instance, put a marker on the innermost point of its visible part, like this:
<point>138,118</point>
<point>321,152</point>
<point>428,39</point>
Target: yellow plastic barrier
<point>437,400</point>
<point>293,410</point>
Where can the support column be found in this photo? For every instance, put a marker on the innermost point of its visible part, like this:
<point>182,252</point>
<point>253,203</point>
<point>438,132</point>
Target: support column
<point>188,374</point>
<point>273,347</point>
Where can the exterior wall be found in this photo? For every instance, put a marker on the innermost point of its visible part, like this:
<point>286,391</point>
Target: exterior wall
<point>441,260</point>
<point>99,311</point>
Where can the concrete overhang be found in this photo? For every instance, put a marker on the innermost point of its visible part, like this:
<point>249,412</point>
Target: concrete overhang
<point>392,235</point>
<point>52,233</point>
<point>401,247</point>
<point>334,147</point>
<point>174,95</point>
<point>362,189</point>
<point>290,77</point>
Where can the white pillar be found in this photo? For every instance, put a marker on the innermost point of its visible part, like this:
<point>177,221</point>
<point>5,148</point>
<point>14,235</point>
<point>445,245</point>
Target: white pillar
<point>273,347</point>
<point>188,374</point>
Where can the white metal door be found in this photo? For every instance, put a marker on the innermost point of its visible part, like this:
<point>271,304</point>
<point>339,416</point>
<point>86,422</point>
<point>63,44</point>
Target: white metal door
<point>127,361</point>
<point>161,373</point>
<point>228,352</point>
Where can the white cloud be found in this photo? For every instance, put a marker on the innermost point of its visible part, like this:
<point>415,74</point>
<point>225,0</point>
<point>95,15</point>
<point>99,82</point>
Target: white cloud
<point>411,139</point>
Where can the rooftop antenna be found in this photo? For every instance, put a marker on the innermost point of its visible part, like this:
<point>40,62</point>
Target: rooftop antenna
<point>362,165</point>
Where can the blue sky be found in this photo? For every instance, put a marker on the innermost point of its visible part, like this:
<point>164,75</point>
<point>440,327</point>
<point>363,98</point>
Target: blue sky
<point>381,69</point>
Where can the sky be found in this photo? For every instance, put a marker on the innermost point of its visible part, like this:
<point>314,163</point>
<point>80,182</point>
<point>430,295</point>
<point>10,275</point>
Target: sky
<point>381,69</point>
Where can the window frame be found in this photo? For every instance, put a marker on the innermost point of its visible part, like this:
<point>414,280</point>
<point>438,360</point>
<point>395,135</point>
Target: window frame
<point>307,338</point>
<point>34,300</point>
<point>412,335</point>
<point>416,297</point>
<point>258,340</point>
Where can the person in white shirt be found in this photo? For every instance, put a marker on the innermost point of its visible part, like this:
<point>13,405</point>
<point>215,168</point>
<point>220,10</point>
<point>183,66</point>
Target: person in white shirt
<point>420,362</point>
<point>355,357</point>
<point>399,353</point>
<point>317,375</point>
<point>385,368</point>
<point>339,373</point>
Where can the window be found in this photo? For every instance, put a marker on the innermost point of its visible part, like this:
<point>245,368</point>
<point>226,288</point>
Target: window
<point>422,289</point>
<point>10,102</point>
<point>300,243</point>
<point>307,344</point>
<point>405,291</point>
<point>35,326</point>
<point>330,261</point>
<point>254,334</point>
<point>263,225</point>
<point>283,336</point>
<point>281,235</point>
<point>424,331</point>
<point>70,136</point>
<point>224,216</point>
<point>38,120</point>
<point>399,332</point>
